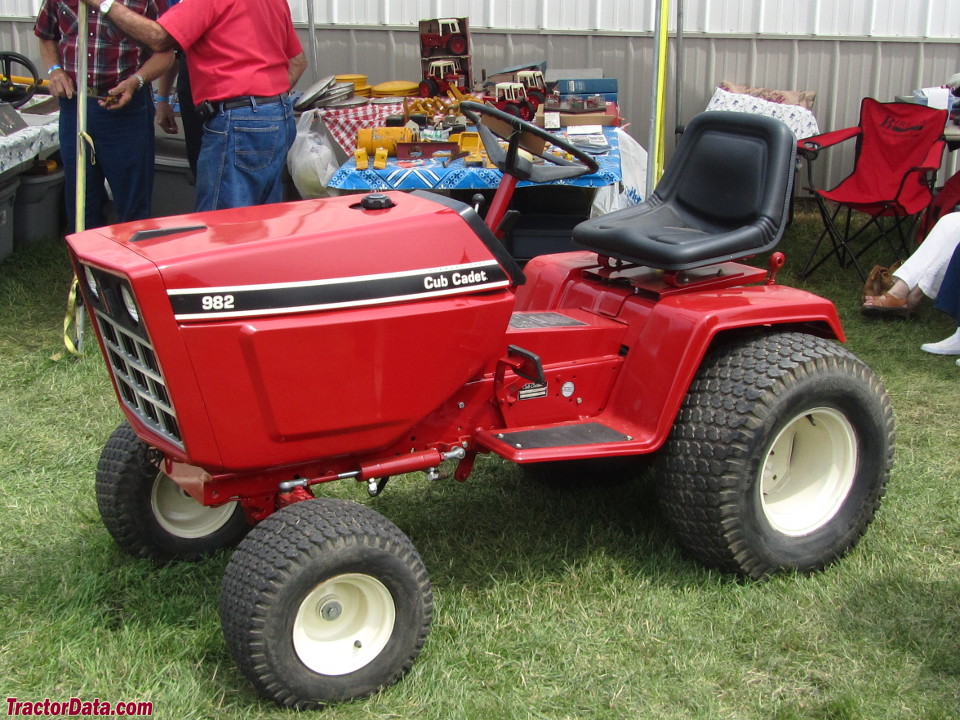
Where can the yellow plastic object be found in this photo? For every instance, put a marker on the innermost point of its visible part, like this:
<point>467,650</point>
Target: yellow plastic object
<point>371,139</point>
<point>396,88</point>
<point>380,159</point>
<point>470,143</point>
<point>363,159</point>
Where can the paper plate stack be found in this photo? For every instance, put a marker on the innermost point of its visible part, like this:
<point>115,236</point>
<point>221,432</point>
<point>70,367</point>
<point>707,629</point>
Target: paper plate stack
<point>396,88</point>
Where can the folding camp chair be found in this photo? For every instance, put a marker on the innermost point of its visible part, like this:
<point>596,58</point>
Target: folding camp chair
<point>899,150</point>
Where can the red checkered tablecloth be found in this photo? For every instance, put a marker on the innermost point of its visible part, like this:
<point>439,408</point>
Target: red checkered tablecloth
<point>343,123</point>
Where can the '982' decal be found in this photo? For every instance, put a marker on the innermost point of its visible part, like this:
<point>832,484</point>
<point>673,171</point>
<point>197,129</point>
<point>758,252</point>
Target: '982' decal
<point>216,302</point>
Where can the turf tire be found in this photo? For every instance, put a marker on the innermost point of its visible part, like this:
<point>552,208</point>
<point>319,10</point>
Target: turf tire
<point>294,555</point>
<point>130,491</point>
<point>718,455</point>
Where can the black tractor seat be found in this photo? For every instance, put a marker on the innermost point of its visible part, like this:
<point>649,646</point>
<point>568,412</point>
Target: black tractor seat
<point>725,195</point>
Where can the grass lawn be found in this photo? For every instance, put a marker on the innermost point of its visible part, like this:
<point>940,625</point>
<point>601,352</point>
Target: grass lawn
<point>550,602</point>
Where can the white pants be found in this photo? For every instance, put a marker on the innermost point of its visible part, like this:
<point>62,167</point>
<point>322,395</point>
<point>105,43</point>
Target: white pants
<point>926,267</point>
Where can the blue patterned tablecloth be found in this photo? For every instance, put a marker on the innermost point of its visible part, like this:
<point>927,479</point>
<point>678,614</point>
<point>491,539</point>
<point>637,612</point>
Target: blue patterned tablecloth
<point>21,147</point>
<point>432,175</point>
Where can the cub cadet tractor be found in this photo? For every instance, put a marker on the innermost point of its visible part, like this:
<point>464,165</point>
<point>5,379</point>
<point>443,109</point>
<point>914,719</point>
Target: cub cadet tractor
<point>260,351</point>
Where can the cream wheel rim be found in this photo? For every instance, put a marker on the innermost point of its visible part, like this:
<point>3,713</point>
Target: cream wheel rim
<point>180,515</point>
<point>343,624</point>
<point>808,471</point>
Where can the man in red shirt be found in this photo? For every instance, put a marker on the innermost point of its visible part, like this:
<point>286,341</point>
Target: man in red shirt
<point>121,127</point>
<point>243,58</point>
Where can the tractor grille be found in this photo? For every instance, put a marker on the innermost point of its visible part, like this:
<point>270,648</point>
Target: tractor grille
<point>134,366</point>
<point>131,358</point>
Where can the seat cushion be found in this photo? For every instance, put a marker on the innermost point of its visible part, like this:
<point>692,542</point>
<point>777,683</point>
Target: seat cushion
<point>658,237</point>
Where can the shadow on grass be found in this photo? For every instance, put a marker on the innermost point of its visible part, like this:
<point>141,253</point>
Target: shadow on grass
<point>916,619</point>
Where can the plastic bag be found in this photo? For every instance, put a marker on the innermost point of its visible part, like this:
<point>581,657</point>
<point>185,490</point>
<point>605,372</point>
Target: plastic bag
<point>633,172</point>
<point>311,159</point>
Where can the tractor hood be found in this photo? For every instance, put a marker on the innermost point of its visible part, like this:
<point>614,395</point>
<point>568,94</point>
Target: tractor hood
<point>330,326</point>
<point>309,255</point>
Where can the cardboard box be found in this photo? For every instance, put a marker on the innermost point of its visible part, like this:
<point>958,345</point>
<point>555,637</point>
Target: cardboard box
<point>586,86</point>
<point>610,117</point>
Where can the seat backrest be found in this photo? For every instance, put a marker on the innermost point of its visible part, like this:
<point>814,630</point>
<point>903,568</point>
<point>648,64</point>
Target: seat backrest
<point>725,195</point>
<point>895,137</point>
<point>729,170</point>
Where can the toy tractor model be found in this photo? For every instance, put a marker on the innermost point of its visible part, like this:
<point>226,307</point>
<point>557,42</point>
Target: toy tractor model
<point>260,351</point>
<point>442,76</point>
<point>535,86</point>
<point>444,35</point>
<point>511,98</point>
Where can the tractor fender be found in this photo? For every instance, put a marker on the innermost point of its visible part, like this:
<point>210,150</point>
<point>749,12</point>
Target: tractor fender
<point>681,329</point>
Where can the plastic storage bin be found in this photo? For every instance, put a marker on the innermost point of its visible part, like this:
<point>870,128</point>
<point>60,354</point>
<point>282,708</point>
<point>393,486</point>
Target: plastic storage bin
<point>173,186</point>
<point>39,213</point>
<point>8,194</point>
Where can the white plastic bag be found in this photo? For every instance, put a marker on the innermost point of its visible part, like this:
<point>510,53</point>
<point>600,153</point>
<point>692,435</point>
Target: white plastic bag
<point>311,159</point>
<point>631,190</point>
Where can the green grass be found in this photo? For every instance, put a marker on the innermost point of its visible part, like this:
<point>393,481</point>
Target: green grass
<point>550,603</point>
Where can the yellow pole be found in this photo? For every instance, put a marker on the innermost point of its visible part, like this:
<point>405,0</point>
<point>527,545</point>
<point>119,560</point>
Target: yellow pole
<point>75,314</point>
<point>661,104</point>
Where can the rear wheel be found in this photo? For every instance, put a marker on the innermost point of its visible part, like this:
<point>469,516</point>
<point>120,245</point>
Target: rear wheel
<point>457,45</point>
<point>324,601</point>
<point>429,88</point>
<point>527,110</point>
<point>148,514</point>
<point>779,456</point>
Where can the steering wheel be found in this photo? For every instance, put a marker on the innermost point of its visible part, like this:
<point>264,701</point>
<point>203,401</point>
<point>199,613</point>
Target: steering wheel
<point>495,125</point>
<point>16,92</point>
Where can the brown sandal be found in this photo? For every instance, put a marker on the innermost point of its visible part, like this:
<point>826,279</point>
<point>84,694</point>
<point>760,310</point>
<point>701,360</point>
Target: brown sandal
<point>887,305</point>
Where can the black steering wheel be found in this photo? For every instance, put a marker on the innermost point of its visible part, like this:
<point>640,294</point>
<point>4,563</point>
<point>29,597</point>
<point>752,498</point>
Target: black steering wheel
<point>16,93</point>
<point>496,125</point>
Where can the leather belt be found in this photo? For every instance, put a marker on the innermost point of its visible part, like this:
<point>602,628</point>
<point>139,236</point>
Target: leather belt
<point>207,109</point>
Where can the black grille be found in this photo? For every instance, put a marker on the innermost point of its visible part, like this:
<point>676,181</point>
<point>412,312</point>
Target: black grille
<point>132,360</point>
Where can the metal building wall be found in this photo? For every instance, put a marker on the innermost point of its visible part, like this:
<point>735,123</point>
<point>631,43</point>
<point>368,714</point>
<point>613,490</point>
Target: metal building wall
<point>843,50</point>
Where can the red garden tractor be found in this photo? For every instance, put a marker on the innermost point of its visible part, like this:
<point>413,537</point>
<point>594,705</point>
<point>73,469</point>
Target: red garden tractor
<point>441,76</point>
<point>444,35</point>
<point>258,352</point>
<point>511,97</point>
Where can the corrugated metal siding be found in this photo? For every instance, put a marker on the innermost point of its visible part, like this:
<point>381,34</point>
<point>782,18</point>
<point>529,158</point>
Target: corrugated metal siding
<point>843,50</point>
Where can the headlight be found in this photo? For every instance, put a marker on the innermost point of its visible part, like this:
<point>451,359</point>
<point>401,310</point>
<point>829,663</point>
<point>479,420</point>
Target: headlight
<point>91,282</point>
<point>129,304</point>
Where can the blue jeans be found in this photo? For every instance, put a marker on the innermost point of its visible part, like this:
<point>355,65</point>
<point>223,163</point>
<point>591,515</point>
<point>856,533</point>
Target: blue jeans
<point>122,156</point>
<point>242,156</point>
<point>948,296</point>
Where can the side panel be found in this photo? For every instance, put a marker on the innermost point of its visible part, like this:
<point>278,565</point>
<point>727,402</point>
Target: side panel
<point>287,390</point>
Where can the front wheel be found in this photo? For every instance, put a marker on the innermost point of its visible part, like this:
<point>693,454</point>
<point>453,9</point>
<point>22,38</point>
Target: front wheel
<point>148,514</point>
<point>779,456</point>
<point>325,600</point>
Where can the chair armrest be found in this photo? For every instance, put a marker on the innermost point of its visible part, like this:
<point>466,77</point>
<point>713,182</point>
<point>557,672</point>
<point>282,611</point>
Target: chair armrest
<point>809,147</point>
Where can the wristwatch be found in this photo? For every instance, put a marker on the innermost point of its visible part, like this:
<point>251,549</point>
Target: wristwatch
<point>105,6</point>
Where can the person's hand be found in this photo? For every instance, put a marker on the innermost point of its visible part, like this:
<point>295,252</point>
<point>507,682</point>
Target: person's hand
<point>165,118</point>
<point>60,84</point>
<point>121,95</point>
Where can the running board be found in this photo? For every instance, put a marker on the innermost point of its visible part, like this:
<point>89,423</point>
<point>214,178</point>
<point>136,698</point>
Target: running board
<point>562,441</point>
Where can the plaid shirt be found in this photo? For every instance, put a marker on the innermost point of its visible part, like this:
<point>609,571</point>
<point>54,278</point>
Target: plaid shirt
<point>112,55</point>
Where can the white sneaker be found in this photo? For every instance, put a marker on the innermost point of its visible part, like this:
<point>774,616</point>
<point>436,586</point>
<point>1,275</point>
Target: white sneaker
<point>950,346</point>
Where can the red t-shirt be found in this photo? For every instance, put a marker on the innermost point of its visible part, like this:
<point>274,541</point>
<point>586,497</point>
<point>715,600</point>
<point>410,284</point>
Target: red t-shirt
<point>234,47</point>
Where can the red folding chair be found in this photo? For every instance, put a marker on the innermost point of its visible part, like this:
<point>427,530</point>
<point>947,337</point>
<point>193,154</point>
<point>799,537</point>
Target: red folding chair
<point>899,151</point>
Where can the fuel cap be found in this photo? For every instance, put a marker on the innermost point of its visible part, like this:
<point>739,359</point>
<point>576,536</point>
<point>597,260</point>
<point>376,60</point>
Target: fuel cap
<point>376,201</point>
